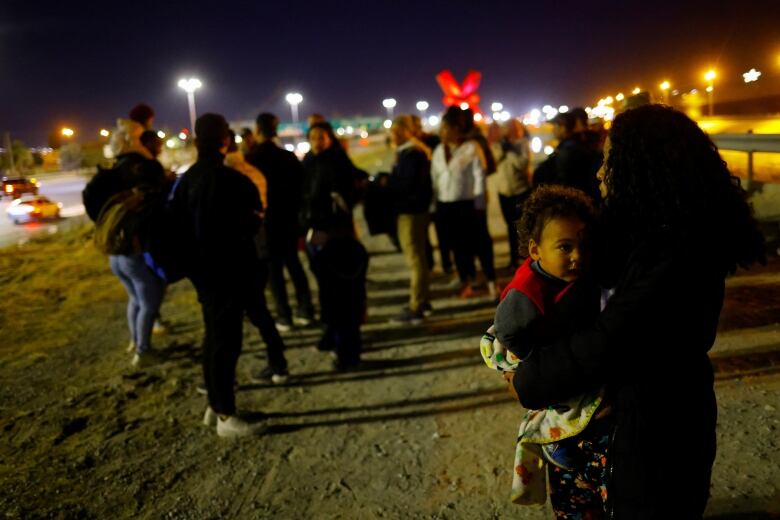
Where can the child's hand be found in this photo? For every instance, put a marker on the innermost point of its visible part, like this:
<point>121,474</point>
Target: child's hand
<point>509,377</point>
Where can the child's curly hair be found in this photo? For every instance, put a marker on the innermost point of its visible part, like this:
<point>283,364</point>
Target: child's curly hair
<point>548,202</point>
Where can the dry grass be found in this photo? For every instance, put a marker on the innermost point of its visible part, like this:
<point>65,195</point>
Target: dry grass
<point>49,286</point>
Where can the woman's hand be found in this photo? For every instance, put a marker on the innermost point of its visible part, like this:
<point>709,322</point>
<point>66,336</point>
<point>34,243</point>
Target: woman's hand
<point>509,377</point>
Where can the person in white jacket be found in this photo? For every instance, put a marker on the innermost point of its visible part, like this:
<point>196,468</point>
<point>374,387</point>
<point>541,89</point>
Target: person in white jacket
<point>458,176</point>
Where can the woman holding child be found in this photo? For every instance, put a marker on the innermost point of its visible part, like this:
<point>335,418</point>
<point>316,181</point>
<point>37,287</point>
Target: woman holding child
<point>674,224</point>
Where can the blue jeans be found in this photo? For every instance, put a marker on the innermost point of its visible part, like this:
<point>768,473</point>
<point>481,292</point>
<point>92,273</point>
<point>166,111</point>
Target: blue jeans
<point>145,292</point>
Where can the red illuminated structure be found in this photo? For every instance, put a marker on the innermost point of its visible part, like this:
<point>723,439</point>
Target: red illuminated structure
<point>457,94</point>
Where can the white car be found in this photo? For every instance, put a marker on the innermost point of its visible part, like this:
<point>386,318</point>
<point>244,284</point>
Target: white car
<point>33,208</point>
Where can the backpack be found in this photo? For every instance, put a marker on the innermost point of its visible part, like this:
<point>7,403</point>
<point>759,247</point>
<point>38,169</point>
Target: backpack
<point>121,222</point>
<point>107,182</point>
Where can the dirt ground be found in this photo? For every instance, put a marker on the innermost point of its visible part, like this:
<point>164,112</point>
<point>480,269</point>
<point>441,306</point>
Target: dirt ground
<point>424,431</point>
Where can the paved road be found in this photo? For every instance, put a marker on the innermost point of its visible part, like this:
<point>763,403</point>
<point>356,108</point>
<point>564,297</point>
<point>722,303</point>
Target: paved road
<point>64,188</point>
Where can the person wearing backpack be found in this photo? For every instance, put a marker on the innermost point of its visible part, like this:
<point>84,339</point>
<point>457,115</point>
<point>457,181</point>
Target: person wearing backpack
<point>123,232</point>
<point>125,202</point>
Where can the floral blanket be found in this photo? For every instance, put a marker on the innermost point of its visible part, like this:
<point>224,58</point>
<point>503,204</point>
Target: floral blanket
<point>553,424</point>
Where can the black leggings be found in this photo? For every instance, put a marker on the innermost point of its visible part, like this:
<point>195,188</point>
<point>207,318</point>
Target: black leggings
<point>466,231</point>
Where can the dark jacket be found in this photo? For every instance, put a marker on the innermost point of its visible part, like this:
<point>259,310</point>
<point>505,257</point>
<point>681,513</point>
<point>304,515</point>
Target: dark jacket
<point>284,174</point>
<point>649,347</point>
<point>571,164</point>
<point>410,182</point>
<point>216,208</point>
<point>329,172</point>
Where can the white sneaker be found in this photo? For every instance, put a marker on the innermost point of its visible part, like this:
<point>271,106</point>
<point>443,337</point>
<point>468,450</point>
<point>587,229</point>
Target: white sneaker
<point>130,347</point>
<point>283,325</point>
<point>302,321</point>
<point>235,426</point>
<point>145,359</point>
<point>210,417</point>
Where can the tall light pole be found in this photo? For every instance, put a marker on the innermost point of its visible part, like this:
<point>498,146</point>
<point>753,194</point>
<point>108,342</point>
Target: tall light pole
<point>294,99</point>
<point>389,104</point>
<point>710,77</point>
<point>190,86</point>
<point>422,106</point>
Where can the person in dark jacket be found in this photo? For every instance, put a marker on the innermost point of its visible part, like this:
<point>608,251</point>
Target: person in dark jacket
<point>330,184</point>
<point>572,163</point>
<point>411,190</point>
<point>338,260</point>
<point>284,176</point>
<point>217,210</point>
<point>669,198</point>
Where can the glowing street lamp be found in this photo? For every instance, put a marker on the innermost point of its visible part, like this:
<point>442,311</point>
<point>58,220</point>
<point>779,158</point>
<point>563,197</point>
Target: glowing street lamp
<point>104,133</point>
<point>751,75</point>
<point>665,86</point>
<point>636,91</point>
<point>620,97</point>
<point>422,106</point>
<point>710,77</point>
<point>190,86</point>
<point>496,106</point>
<point>294,99</point>
<point>389,104</point>
<point>67,132</point>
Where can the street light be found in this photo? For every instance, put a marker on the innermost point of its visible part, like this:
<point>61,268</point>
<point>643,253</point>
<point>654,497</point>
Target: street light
<point>190,86</point>
<point>710,77</point>
<point>104,133</point>
<point>67,132</point>
<point>751,75</point>
<point>636,91</point>
<point>422,106</point>
<point>665,86</point>
<point>496,106</point>
<point>389,104</point>
<point>294,99</point>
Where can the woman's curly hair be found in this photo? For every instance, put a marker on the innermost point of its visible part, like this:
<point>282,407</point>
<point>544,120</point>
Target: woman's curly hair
<point>547,202</point>
<point>664,174</point>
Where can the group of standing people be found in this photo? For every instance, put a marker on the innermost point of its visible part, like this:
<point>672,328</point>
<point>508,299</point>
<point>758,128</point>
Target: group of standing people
<point>444,179</point>
<point>632,229</point>
<point>233,222</point>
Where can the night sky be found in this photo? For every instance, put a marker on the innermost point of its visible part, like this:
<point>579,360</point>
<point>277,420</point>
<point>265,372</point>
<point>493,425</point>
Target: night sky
<point>85,64</point>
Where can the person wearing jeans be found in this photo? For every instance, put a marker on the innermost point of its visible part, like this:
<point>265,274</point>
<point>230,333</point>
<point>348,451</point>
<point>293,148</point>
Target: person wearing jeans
<point>145,292</point>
